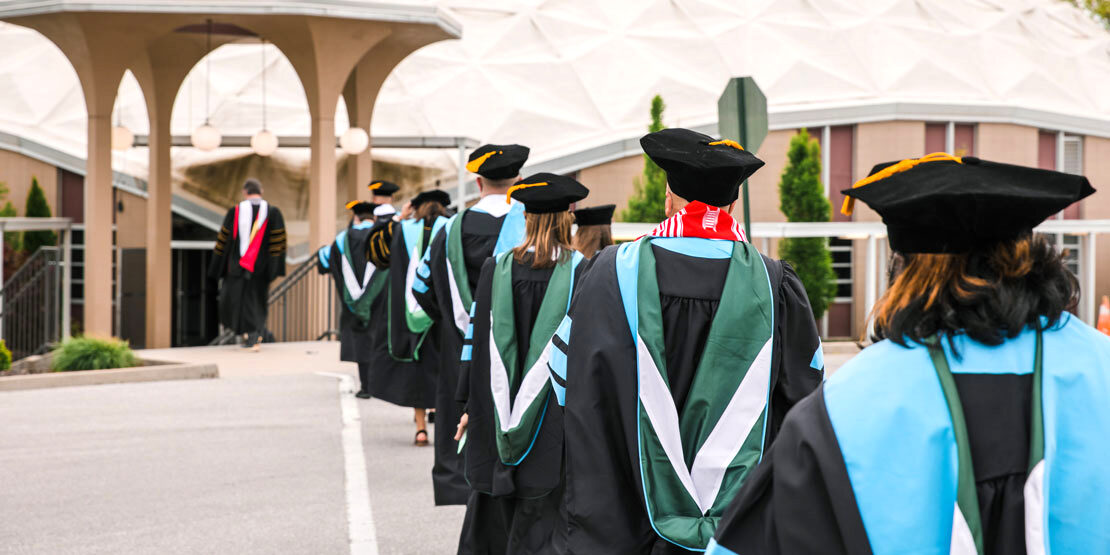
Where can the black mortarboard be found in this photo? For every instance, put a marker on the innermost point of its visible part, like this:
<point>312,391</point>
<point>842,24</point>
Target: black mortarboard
<point>361,207</point>
<point>434,195</point>
<point>497,161</point>
<point>595,215</point>
<point>383,188</point>
<point>700,167</point>
<point>544,193</point>
<point>944,204</point>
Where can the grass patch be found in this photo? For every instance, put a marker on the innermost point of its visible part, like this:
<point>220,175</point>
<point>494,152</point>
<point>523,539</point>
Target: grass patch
<point>87,353</point>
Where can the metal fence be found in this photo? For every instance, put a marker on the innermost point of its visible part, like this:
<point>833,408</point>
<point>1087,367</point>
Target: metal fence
<point>35,299</point>
<point>31,298</point>
<point>301,307</point>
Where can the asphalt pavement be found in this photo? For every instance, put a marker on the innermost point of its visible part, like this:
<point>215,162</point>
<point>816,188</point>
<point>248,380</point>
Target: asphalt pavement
<point>252,462</point>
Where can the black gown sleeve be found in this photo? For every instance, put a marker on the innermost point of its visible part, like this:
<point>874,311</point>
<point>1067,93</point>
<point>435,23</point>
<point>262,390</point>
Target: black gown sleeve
<point>219,259</point>
<point>278,242</point>
<point>481,300</point>
<point>380,243</point>
<point>798,343</point>
<point>799,499</point>
<point>424,287</point>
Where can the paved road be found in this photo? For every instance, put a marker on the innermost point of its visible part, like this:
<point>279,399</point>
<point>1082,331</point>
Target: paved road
<point>249,463</point>
<point>252,462</point>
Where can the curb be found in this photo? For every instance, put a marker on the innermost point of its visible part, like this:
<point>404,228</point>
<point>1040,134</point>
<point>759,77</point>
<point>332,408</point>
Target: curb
<point>158,372</point>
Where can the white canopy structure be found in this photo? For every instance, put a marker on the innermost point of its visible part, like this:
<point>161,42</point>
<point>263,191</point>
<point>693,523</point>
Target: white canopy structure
<point>568,77</point>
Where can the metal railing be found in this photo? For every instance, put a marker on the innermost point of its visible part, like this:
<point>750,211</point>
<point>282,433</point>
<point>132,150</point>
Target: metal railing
<point>31,298</point>
<point>35,300</point>
<point>301,307</point>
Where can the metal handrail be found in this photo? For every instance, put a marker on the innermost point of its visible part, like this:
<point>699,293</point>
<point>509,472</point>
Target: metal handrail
<point>281,293</point>
<point>31,297</point>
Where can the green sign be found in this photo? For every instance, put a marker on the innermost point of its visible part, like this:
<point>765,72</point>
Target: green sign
<point>742,117</point>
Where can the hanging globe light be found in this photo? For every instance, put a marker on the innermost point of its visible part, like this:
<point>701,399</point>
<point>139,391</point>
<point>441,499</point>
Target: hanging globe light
<point>354,140</point>
<point>264,143</point>
<point>206,137</point>
<point>122,138</point>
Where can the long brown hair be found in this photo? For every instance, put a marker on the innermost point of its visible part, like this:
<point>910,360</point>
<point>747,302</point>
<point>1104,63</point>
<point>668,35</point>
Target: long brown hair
<point>990,294</point>
<point>591,238</point>
<point>549,237</point>
<point>429,211</point>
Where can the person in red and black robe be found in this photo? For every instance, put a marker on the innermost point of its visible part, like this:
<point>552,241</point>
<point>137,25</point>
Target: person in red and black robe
<point>249,254</point>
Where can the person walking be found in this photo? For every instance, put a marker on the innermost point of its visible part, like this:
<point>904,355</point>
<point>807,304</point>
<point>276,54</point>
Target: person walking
<point>976,423</point>
<point>680,356</point>
<point>359,285</point>
<point>514,454</point>
<point>445,284</point>
<point>249,254</point>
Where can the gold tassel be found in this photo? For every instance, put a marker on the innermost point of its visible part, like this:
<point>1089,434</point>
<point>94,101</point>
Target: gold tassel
<point>907,164</point>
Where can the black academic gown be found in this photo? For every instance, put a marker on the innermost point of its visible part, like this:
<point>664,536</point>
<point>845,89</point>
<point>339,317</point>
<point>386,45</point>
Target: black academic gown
<point>479,237</point>
<point>396,376</point>
<point>243,294</point>
<point>604,494</point>
<point>800,499</point>
<point>355,344</point>
<point>527,499</point>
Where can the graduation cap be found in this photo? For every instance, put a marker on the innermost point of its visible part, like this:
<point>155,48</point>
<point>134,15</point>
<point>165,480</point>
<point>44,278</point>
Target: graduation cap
<point>383,188</point>
<point>361,207</point>
<point>544,193</point>
<point>497,161</point>
<point>434,195</point>
<point>700,167</point>
<point>595,215</point>
<point>946,204</point>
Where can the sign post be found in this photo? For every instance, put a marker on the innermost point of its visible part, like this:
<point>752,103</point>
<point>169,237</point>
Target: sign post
<point>742,117</point>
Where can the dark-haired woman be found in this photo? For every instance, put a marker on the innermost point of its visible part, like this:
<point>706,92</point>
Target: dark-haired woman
<point>977,423</point>
<point>409,379</point>
<point>513,424</point>
<point>594,229</point>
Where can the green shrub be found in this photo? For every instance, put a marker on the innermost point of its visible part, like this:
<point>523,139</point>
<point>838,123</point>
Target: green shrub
<point>87,353</point>
<point>5,356</point>
<point>11,239</point>
<point>37,207</point>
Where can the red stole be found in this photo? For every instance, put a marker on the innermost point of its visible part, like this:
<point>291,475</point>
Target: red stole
<point>248,259</point>
<point>700,220</point>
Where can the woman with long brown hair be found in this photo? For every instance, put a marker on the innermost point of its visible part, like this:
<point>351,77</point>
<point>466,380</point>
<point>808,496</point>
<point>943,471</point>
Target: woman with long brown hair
<point>977,421</point>
<point>594,229</point>
<point>513,424</point>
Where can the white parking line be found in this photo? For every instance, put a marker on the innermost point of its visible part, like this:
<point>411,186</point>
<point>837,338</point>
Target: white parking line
<point>360,519</point>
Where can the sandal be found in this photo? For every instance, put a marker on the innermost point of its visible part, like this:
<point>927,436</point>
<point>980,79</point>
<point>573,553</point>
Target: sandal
<point>421,442</point>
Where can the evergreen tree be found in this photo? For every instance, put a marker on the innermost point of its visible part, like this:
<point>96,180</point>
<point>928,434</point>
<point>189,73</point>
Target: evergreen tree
<point>647,202</point>
<point>11,240</point>
<point>802,199</point>
<point>37,207</point>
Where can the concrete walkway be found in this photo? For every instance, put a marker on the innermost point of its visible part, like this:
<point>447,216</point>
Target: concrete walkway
<point>249,463</point>
<point>253,462</point>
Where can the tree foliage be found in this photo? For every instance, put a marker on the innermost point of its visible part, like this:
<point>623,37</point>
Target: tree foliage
<point>37,207</point>
<point>647,202</point>
<point>11,240</point>
<point>802,199</point>
<point>1100,9</point>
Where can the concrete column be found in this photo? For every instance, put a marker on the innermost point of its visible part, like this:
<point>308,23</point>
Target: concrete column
<point>360,107</point>
<point>159,227</point>
<point>98,269</point>
<point>322,201</point>
<point>160,71</point>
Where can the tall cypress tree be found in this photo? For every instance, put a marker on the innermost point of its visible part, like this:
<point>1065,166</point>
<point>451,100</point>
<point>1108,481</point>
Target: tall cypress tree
<point>647,203</point>
<point>802,199</point>
<point>37,207</point>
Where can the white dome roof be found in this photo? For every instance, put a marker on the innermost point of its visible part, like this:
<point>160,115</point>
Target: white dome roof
<point>566,76</point>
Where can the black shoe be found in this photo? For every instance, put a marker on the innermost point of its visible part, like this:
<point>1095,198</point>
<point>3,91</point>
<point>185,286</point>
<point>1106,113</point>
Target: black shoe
<point>431,417</point>
<point>362,395</point>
